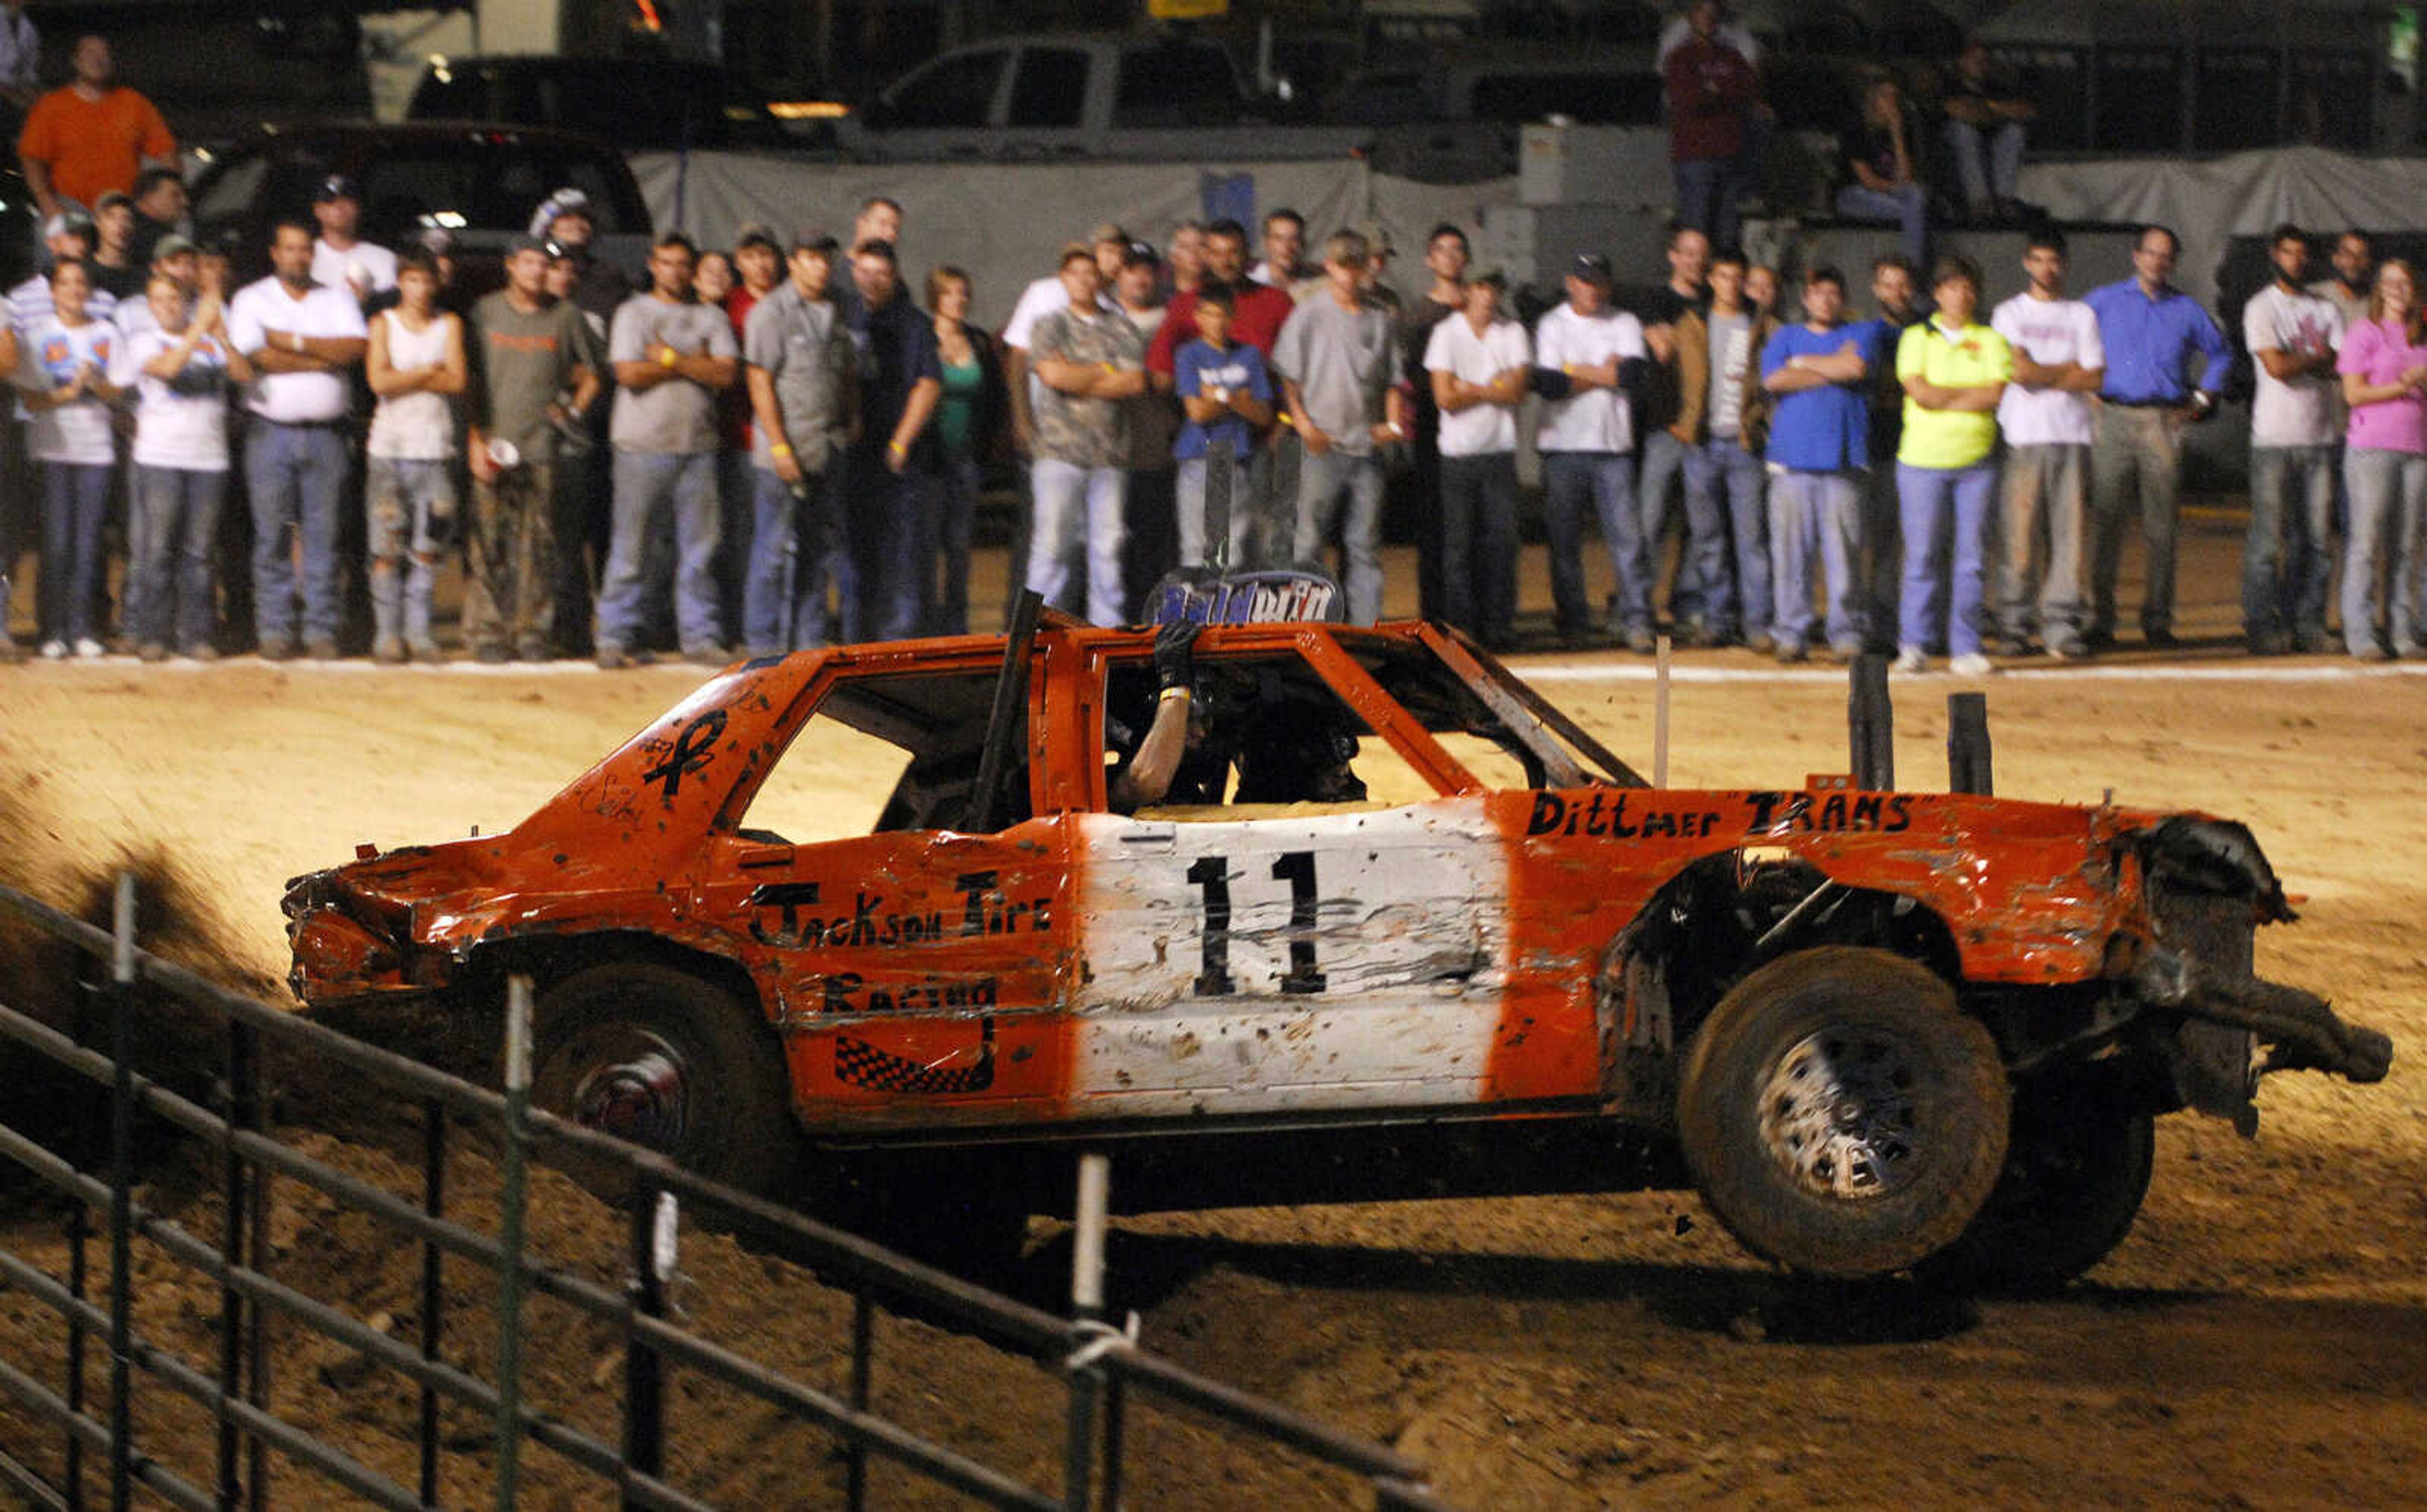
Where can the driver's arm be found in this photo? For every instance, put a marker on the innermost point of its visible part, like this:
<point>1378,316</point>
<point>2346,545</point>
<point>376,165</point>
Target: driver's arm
<point>1147,776</point>
<point>1144,782</point>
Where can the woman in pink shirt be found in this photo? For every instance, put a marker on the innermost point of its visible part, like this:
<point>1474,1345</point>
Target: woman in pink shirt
<point>2383,368</point>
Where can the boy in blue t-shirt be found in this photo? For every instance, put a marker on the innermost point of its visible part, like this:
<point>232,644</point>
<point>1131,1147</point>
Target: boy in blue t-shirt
<point>1819,451</point>
<point>1227,393</point>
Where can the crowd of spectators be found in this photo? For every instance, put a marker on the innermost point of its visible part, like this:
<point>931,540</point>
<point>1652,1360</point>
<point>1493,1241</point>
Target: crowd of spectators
<point>775,445</point>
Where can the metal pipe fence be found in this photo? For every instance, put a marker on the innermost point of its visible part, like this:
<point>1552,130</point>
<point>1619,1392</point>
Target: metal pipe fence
<point>1102,1370</point>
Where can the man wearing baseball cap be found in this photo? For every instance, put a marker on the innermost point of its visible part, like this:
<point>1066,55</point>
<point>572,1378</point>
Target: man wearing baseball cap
<point>340,258</point>
<point>803,381</point>
<point>69,234</point>
<point>1585,351</point>
<point>534,372</point>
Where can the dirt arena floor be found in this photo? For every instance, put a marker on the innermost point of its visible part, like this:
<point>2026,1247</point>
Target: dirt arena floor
<point>2260,1341</point>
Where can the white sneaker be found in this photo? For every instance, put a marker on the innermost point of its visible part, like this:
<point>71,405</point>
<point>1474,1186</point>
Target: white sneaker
<point>55,650</point>
<point>1972,664</point>
<point>87,646</point>
<point>1910,658</point>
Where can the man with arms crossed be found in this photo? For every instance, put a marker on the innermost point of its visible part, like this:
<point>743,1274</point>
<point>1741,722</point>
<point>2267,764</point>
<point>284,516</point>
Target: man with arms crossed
<point>303,339</point>
<point>1584,350</point>
<point>2047,421</point>
<point>2288,557</point>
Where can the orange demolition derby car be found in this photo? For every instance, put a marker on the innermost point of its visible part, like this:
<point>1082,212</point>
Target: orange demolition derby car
<point>1414,932</point>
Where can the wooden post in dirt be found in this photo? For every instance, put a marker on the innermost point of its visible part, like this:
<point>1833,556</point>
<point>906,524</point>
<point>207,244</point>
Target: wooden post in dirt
<point>1870,724</point>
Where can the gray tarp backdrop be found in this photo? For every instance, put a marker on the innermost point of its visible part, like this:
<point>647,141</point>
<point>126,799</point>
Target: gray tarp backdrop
<point>2208,201</point>
<point>1003,222</point>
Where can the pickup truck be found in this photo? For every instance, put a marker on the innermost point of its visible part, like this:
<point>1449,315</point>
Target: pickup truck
<point>1081,95</point>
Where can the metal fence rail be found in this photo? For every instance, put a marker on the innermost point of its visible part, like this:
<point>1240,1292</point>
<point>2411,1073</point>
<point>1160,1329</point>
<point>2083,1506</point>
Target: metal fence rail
<point>1100,1369</point>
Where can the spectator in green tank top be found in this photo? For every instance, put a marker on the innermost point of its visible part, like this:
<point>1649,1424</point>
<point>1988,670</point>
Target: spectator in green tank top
<point>967,421</point>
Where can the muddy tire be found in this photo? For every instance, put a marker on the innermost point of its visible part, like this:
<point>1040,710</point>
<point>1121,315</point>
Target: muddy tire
<point>674,1064</point>
<point>1841,1115</point>
<point>2076,1168</point>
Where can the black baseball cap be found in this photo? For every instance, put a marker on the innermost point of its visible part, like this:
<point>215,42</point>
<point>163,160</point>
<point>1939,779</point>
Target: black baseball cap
<point>337,187</point>
<point>1593,267</point>
<point>1141,254</point>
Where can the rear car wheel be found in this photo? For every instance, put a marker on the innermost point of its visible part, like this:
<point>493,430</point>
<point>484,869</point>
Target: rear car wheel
<point>661,1058</point>
<point>2076,1168</point>
<point>1840,1115</point>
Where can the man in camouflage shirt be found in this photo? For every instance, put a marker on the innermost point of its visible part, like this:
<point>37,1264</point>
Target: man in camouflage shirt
<point>1088,361</point>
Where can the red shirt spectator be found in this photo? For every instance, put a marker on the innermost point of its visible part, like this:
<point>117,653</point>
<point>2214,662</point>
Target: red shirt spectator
<point>1256,319</point>
<point>91,136</point>
<point>1710,89</point>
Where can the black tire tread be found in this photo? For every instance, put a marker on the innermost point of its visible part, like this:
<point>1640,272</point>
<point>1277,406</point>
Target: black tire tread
<point>752,1141</point>
<point>1768,1010</point>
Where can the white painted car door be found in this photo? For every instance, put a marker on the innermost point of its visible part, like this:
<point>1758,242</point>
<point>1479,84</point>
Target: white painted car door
<point>1306,957</point>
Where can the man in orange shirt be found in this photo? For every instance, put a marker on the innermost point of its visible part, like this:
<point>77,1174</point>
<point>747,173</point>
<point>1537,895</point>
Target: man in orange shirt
<point>91,136</point>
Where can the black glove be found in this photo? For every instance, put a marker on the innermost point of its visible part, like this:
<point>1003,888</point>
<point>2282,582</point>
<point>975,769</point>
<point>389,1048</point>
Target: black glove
<point>1175,654</point>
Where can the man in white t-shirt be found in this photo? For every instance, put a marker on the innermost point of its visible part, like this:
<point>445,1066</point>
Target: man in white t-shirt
<point>1478,362</point>
<point>2288,557</point>
<point>304,339</point>
<point>340,258</point>
<point>1582,352</point>
<point>2049,424</point>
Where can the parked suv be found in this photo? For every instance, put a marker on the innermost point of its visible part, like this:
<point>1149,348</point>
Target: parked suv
<point>642,103</point>
<point>480,181</point>
<point>1140,95</point>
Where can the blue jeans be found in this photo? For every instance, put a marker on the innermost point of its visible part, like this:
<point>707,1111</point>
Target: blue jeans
<point>797,550</point>
<point>1947,513</point>
<point>649,487</point>
<point>737,494</point>
<point>1479,544</point>
<point>1606,480</point>
<point>1195,478</point>
<point>1817,514</point>
<point>1321,481</point>
<point>177,520</point>
<point>1725,464</point>
<point>949,516</point>
<point>2388,507</point>
<point>1987,175</point>
<point>1707,196</point>
<point>409,506</point>
<point>885,514</point>
<point>2289,556</point>
<point>1078,517</point>
<point>296,476</point>
<point>1664,461</point>
<point>1907,204</point>
<point>75,502</point>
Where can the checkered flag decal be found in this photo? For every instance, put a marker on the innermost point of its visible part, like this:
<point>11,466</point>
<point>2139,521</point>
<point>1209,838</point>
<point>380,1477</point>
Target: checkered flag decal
<point>863,1065</point>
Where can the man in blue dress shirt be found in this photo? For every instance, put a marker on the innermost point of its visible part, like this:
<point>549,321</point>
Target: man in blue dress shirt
<point>2152,331</point>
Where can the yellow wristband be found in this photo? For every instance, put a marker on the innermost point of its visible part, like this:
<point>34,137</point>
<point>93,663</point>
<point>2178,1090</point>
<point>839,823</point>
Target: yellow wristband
<point>1170,694</point>
<point>779,450</point>
<point>897,448</point>
<point>667,358</point>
